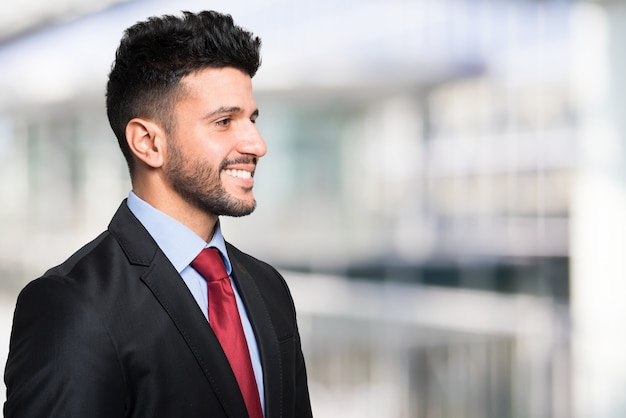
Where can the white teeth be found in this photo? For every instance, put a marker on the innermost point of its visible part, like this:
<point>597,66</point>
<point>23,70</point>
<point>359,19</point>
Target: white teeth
<point>240,174</point>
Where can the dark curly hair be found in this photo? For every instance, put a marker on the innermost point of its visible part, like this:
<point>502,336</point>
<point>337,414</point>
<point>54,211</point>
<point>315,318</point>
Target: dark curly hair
<point>154,55</point>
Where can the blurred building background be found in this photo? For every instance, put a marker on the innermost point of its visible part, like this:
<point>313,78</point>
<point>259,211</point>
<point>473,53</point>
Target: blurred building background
<point>444,189</point>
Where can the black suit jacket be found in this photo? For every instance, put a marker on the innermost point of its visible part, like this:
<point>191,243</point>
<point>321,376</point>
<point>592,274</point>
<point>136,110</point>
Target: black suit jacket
<point>115,332</point>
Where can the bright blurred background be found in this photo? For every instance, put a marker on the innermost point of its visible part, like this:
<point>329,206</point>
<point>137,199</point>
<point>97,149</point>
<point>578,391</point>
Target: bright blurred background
<point>445,189</point>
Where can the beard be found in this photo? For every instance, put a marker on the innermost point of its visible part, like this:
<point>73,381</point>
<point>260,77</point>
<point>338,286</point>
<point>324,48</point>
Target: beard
<point>200,185</point>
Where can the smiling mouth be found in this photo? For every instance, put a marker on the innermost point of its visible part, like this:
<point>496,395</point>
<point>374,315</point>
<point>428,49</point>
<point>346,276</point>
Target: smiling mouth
<point>240,174</point>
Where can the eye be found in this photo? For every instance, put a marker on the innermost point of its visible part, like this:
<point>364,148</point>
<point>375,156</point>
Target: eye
<point>223,122</point>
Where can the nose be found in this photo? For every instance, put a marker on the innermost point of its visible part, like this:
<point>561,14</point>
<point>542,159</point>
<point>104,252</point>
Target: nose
<point>252,142</point>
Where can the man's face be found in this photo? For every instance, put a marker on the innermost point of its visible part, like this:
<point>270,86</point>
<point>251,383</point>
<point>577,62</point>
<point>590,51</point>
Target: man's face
<point>215,145</point>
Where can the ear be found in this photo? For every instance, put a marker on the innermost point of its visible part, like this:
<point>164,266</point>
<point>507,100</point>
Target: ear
<point>146,140</point>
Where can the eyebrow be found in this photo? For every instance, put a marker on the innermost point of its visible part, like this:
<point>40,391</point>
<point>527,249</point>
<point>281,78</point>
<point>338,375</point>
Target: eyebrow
<point>230,109</point>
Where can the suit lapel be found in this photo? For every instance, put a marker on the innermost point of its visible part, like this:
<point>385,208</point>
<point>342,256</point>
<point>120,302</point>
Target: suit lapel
<point>266,338</point>
<point>169,289</point>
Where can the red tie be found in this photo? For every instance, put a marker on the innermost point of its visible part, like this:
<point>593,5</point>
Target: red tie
<point>226,323</point>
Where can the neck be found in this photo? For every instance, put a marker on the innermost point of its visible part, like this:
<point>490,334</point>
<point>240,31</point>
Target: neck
<point>170,203</point>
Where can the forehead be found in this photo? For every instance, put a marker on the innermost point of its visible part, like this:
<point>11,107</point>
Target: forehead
<point>217,85</point>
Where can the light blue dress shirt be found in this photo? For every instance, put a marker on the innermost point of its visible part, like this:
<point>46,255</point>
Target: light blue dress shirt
<point>181,245</point>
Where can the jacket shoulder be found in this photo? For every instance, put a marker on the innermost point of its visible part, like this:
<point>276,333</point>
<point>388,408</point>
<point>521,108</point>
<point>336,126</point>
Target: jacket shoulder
<point>263,272</point>
<point>271,283</point>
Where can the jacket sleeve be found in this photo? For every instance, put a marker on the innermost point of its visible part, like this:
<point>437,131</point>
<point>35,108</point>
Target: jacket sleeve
<point>302,401</point>
<point>62,362</point>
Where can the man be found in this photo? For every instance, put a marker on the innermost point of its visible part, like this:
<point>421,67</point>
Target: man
<point>132,324</point>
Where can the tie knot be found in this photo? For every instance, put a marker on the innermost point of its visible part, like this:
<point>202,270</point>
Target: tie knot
<point>210,265</point>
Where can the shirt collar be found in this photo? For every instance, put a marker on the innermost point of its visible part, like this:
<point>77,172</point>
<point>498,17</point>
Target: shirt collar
<point>179,243</point>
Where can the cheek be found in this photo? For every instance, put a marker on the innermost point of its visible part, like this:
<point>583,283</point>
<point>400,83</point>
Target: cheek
<point>213,154</point>
<point>205,146</point>
<point>205,160</point>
